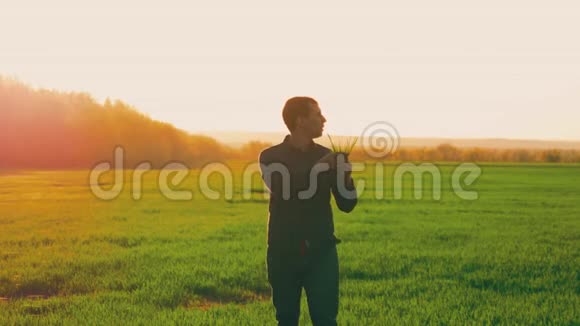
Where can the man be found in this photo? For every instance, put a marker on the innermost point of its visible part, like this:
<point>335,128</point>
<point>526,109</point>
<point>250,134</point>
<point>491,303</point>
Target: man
<point>301,175</point>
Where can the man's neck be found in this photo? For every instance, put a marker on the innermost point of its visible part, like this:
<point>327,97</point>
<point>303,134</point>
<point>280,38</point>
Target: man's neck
<point>300,141</point>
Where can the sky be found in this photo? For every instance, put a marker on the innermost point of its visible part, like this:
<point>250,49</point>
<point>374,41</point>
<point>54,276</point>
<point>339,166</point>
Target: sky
<point>459,69</point>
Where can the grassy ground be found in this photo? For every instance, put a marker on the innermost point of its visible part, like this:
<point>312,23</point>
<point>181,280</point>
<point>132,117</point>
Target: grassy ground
<point>510,257</point>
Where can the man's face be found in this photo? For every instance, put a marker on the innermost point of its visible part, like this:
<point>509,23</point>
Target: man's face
<point>313,124</point>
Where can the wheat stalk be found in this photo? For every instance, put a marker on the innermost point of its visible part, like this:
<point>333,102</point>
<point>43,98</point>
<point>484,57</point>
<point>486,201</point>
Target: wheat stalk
<point>343,148</point>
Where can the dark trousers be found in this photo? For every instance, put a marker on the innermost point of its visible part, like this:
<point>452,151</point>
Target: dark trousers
<point>318,274</point>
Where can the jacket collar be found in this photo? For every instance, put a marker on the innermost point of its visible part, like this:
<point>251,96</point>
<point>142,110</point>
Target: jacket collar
<point>289,145</point>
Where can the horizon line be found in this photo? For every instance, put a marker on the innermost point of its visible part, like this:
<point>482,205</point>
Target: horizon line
<point>402,137</point>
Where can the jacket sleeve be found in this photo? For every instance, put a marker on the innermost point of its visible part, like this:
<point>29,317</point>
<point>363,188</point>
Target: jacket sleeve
<point>263,160</point>
<point>345,195</point>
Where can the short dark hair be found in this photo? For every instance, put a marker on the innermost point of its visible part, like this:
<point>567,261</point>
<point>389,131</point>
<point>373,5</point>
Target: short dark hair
<point>295,107</point>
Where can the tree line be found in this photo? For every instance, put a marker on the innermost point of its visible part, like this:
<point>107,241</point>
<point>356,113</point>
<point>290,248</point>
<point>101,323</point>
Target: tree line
<point>450,153</point>
<point>50,129</point>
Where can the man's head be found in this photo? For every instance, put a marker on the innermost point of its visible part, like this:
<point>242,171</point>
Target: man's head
<point>302,115</point>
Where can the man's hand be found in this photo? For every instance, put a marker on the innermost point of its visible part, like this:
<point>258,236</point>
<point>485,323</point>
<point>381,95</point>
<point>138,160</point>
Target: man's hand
<point>330,159</point>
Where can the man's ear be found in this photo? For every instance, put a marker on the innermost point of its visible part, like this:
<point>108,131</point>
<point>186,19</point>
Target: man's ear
<point>299,122</point>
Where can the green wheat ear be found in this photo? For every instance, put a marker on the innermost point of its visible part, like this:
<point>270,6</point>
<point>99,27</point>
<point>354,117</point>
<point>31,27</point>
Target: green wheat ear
<point>331,143</point>
<point>353,144</point>
<point>343,148</point>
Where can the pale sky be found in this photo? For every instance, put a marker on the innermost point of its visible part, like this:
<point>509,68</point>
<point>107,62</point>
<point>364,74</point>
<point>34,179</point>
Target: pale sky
<point>501,69</point>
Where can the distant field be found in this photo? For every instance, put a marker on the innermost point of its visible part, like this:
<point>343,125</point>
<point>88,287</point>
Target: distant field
<point>240,138</point>
<point>510,257</point>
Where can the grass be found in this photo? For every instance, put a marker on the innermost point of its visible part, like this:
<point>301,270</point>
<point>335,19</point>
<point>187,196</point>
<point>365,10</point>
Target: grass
<point>510,257</point>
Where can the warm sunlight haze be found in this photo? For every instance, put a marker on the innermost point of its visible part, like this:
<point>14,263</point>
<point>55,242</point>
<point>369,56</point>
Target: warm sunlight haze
<point>289,163</point>
<point>495,69</point>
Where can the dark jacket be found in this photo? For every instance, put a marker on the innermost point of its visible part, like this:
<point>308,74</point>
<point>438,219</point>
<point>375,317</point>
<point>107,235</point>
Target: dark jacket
<point>296,217</point>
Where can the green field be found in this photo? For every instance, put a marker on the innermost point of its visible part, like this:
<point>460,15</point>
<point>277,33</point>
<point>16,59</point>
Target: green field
<point>510,257</point>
